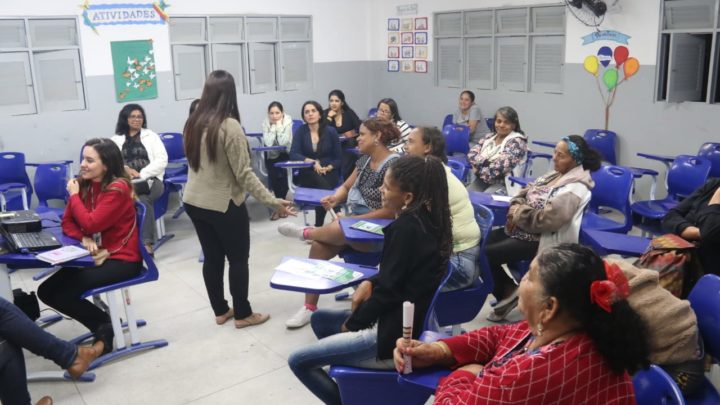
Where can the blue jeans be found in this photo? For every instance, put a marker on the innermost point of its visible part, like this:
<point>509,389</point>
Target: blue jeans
<point>358,349</point>
<point>17,331</point>
<point>466,269</point>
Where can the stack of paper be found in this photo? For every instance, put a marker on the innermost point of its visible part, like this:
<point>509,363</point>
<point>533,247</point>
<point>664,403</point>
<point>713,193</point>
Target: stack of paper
<point>62,255</point>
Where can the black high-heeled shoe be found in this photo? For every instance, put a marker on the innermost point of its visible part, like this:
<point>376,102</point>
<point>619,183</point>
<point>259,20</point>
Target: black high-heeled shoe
<point>106,335</point>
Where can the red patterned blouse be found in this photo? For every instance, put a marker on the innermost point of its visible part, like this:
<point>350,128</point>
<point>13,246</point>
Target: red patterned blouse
<point>570,372</point>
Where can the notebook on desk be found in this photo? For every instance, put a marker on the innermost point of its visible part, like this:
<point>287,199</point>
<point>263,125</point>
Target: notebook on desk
<point>31,241</point>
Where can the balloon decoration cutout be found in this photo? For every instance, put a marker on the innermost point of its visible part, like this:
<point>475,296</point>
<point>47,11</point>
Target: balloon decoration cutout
<point>621,55</point>
<point>591,65</point>
<point>631,67</point>
<point>610,78</point>
<point>605,54</point>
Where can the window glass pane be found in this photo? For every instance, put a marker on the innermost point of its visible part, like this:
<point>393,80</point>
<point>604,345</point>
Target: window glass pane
<point>296,65</point>
<point>59,80</point>
<point>448,24</point>
<point>511,63</point>
<point>295,28</point>
<point>12,34</point>
<point>53,33</point>
<point>15,80</point>
<point>547,64</point>
<point>548,19</point>
<point>261,29</point>
<point>449,55</point>
<point>262,68</point>
<point>479,22</point>
<point>479,63</point>
<point>189,69</point>
<point>187,29</point>
<point>689,14</point>
<point>230,59</point>
<point>226,29</point>
<point>512,21</point>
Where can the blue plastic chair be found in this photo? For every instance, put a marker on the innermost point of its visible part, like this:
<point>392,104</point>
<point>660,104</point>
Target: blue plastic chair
<point>458,169</point>
<point>461,306</point>
<point>15,188</point>
<point>603,141</point>
<point>613,185</point>
<point>160,207</point>
<point>457,138</point>
<point>686,174</point>
<point>372,112</point>
<point>490,124</point>
<point>148,273</point>
<point>448,120</point>
<point>655,387</point>
<point>296,124</point>
<point>50,182</point>
<point>711,152</point>
<point>177,162</point>
<point>705,301</point>
<point>379,387</point>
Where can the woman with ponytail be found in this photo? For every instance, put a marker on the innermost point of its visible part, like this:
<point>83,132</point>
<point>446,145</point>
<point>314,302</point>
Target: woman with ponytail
<point>578,343</point>
<point>415,256</point>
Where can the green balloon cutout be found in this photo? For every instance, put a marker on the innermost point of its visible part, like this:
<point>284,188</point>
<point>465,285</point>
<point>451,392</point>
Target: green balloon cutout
<point>610,78</point>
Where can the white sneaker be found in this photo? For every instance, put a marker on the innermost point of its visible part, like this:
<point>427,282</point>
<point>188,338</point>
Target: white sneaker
<point>291,230</point>
<point>300,319</point>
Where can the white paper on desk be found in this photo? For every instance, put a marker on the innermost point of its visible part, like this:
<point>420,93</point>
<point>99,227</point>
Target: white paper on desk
<point>505,198</point>
<point>319,269</point>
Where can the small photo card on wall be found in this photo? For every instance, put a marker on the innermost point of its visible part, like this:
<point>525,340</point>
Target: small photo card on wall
<point>407,37</point>
<point>407,24</point>
<point>421,24</point>
<point>421,66</point>
<point>134,70</point>
<point>393,52</point>
<point>407,66</point>
<point>393,24</point>
<point>393,66</point>
<point>421,38</point>
<point>393,38</point>
<point>407,52</point>
<point>421,52</point>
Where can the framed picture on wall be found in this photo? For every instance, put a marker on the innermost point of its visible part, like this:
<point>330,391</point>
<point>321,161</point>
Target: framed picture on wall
<point>421,24</point>
<point>393,38</point>
<point>420,38</point>
<point>393,52</point>
<point>407,52</point>
<point>407,66</point>
<point>393,66</point>
<point>407,24</point>
<point>421,52</point>
<point>421,66</point>
<point>407,38</point>
<point>393,24</point>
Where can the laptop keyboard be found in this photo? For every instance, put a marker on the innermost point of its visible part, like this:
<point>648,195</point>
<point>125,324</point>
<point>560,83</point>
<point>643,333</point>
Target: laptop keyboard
<point>29,240</point>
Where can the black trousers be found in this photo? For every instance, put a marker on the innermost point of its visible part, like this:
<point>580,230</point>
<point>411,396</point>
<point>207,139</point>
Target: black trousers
<point>63,290</point>
<point>221,235</point>
<point>501,249</point>
<point>309,178</point>
<point>277,176</point>
<point>348,158</point>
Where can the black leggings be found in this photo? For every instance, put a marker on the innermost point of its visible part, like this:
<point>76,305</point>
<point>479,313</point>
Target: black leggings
<point>63,289</point>
<point>224,234</point>
<point>277,176</point>
<point>309,178</point>
<point>502,249</point>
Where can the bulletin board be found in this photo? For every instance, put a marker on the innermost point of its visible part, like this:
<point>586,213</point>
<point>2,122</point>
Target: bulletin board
<point>134,70</point>
<point>407,45</point>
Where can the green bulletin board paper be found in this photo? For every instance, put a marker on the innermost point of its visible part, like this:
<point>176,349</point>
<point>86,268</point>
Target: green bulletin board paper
<point>134,67</point>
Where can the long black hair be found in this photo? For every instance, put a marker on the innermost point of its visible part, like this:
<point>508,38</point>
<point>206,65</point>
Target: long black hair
<point>394,110</point>
<point>318,107</point>
<point>110,156</point>
<point>425,178</point>
<point>339,94</point>
<point>217,103</point>
<point>566,271</point>
<point>434,137</point>
<point>122,127</point>
<point>592,160</point>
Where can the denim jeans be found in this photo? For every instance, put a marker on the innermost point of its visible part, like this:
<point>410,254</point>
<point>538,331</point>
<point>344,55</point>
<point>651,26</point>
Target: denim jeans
<point>358,349</point>
<point>17,331</point>
<point>466,269</point>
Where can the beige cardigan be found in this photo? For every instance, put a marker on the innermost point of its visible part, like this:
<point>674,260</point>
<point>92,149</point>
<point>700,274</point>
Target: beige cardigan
<point>229,177</point>
<point>670,320</point>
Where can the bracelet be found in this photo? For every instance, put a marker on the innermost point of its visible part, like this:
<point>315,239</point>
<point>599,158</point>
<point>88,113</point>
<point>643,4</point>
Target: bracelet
<point>443,347</point>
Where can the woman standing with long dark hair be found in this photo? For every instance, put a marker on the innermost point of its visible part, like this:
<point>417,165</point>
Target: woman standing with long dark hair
<point>219,178</point>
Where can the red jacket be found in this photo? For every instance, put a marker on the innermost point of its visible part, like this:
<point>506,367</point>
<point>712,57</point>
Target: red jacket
<point>569,373</point>
<point>110,212</point>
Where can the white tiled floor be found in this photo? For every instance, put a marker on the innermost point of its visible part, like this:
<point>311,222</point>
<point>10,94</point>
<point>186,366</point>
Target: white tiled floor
<point>204,363</point>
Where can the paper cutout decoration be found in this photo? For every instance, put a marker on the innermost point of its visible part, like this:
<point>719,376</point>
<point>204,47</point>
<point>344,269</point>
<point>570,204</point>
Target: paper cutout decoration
<point>611,74</point>
<point>134,67</point>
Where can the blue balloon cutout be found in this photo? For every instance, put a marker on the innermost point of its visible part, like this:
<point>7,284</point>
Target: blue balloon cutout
<point>604,55</point>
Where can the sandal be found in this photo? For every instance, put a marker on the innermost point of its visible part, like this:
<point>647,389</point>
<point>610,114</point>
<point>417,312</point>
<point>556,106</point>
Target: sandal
<point>253,319</point>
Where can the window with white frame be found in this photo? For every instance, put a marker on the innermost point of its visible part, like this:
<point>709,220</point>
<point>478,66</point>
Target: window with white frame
<point>264,54</point>
<point>516,49</point>
<point>688,52</point>
<point>40,61</point>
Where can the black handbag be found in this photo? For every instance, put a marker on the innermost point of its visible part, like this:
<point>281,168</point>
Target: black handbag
<point>28,303</point>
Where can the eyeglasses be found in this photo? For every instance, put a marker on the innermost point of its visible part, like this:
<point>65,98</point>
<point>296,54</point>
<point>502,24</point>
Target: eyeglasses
<point>135,117</point>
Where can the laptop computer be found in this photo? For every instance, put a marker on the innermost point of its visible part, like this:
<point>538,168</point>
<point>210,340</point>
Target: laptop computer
<point>31,241</point>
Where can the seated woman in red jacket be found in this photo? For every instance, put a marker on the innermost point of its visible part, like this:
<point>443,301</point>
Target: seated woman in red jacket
<point>100,213</point>
<point>578,342</point>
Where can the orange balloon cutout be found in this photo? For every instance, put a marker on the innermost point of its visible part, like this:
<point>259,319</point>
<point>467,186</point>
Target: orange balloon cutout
<point>620,54</point>
<point>631,67</point>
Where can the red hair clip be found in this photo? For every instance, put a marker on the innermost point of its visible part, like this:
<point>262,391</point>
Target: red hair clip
<point>604,293</point>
